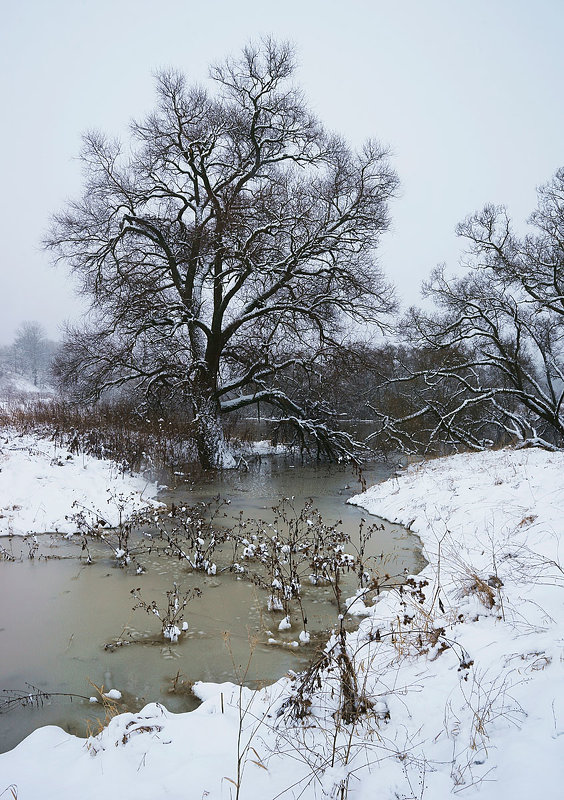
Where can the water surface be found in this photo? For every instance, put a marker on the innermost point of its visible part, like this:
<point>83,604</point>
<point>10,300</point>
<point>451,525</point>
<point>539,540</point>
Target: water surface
<point>57,613</point>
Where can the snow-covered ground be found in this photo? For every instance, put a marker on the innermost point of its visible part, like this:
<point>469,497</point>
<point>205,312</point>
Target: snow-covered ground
<point>43,485</point>
<point>17,388</point>
<point>461,672</point>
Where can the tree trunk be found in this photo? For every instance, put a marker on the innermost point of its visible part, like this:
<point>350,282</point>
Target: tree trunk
<point>213,449</point>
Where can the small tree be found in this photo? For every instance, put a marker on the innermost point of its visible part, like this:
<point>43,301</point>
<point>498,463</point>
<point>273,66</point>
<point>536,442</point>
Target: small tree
<point>496,339</point>
<point>227,246</point>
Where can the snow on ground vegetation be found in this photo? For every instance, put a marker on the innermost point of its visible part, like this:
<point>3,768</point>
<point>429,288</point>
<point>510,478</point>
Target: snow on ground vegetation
<point>43,485</point>
<point>16,388</point>
<point>451,686</point>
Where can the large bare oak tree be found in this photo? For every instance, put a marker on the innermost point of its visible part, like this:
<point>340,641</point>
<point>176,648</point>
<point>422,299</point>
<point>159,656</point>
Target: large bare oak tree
<point>230,242</point>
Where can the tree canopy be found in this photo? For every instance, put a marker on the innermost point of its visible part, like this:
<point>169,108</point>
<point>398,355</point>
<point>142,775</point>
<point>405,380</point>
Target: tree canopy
<point>231,243</point>
<point>495,343</point>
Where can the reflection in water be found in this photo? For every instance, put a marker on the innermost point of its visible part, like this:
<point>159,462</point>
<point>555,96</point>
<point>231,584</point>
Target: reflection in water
<point>57,615</point>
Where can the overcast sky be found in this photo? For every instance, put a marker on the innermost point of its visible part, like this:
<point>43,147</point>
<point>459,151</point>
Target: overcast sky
<point>467,94</point>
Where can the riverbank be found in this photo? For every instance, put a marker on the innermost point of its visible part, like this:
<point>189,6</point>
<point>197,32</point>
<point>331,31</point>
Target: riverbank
<point>43,485</point>
<point>460,673</point>
<point>492,525</point>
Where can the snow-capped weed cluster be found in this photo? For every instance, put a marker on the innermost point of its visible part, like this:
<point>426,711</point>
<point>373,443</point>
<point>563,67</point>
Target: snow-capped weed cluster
<point>190,534</point>
<point>298,549</point>
<point>92,525</point>
<point>295,551</point>
<point>171,617</point>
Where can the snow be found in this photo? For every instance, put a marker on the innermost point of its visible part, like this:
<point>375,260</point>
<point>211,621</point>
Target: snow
<point>265,447</point>
<point>285,624</point>
<point>14,387</point>
<point>113,694</point>
<point>171,632</point>
<point>43,485</point>
<point>462,669</point>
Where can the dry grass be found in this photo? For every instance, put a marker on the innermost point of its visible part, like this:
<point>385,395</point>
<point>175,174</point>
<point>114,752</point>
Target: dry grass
<point>140,441</point>
<point>111,710</point>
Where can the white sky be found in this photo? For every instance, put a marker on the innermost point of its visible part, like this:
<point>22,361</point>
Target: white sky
<point>467,93</point>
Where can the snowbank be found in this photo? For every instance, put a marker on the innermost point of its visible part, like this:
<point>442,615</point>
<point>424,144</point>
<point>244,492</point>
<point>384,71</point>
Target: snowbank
<point>492,527</point>
<point>461,672</point>
<point>43,485</point>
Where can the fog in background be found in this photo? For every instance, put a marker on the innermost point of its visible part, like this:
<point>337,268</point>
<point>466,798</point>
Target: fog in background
<point>467,95</point>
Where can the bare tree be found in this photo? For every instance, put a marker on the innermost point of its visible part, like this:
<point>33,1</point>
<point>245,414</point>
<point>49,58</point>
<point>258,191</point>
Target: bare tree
<point>32,352</point>
<point>232,242</point>
<point>497,337</point>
